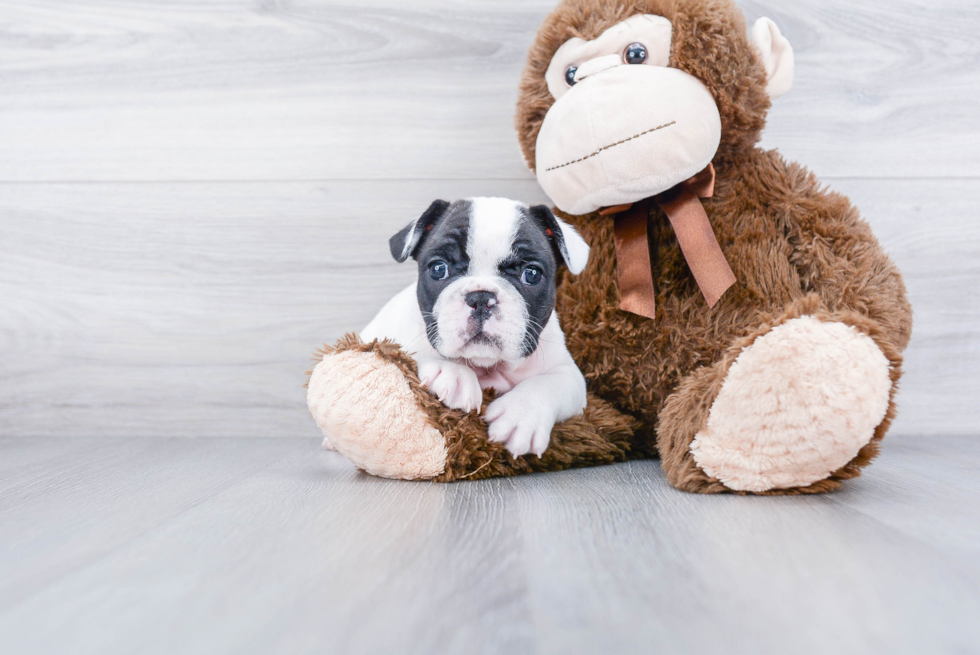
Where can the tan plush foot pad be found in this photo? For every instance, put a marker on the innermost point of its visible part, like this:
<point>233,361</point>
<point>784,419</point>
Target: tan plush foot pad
<point>368,401</point>
<point>365,406</point>
<point>796,406</point>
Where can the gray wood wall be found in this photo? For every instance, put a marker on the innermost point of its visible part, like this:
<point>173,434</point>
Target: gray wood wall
<point>194,195</point>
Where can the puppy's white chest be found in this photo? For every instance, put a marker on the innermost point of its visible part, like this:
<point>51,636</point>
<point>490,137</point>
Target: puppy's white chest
<point>504,377</point>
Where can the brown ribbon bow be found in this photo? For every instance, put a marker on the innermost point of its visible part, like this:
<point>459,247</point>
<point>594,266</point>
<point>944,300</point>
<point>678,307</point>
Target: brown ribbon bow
<point>683,207</point>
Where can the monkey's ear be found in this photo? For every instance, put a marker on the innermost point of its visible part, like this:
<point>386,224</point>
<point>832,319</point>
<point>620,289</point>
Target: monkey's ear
<point>572,248</point>
<point>406,242</point>
<point>777,56</point>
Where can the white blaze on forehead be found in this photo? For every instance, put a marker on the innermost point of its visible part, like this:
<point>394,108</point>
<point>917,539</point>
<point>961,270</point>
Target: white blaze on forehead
<point>493,225</point>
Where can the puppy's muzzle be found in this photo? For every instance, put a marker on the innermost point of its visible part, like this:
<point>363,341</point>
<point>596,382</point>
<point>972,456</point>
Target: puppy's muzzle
<point>482,304</point>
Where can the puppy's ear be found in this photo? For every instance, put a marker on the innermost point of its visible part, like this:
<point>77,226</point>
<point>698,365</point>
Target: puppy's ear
<point>407,241</point>
<point>567,242</point>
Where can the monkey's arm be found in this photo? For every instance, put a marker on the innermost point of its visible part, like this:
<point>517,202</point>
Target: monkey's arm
<point>839,258</point>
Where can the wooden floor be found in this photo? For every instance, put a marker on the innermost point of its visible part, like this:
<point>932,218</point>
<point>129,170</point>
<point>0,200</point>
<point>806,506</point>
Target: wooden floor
<point>274,546</point>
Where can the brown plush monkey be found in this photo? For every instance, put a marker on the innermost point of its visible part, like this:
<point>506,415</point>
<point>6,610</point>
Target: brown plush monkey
<point>736,319</point>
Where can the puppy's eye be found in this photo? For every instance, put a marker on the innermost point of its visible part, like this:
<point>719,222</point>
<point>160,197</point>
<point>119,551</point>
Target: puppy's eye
<point>438,270</point>
<point>635,53</point>
<point>531,275</point>
<point>570,75</point>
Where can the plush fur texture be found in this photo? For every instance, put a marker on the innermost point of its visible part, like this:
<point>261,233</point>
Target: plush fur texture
<point>797,250</point>
<point>368,399</point>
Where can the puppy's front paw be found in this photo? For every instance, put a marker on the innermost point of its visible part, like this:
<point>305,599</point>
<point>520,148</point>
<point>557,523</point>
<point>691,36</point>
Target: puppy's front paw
<point>454,384</point>
<point>520,423</point>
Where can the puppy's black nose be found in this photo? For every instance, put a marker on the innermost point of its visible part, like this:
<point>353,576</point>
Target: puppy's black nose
<point>482,303</point>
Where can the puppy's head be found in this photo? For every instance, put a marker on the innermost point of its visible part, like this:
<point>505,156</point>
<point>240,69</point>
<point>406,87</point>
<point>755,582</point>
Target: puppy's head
<point>487,274</point>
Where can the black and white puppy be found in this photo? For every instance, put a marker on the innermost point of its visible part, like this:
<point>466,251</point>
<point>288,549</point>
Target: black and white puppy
<point>482,314</point>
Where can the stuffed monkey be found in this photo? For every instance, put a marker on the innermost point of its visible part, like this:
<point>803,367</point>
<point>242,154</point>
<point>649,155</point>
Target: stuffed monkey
<point>736,319</point>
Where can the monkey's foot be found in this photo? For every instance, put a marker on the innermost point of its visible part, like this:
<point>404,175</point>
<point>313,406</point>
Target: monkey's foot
<point>365,406</point>
<point>797,405</point>
<point>370,404</point>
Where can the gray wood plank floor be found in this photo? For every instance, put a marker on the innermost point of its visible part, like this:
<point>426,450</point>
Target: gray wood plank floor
<point>273,546</point>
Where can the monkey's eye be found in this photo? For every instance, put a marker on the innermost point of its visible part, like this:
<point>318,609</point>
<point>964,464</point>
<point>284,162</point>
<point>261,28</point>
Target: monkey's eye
<point>635,53</point>
<point>531,275</point>
<point>570,75</point>
<point>438,270</point>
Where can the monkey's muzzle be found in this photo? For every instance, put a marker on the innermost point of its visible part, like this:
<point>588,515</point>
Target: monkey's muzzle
<point>625,134</point>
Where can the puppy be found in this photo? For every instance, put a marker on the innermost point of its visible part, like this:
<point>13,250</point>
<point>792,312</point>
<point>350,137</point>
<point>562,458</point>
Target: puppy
<point>482,314</point>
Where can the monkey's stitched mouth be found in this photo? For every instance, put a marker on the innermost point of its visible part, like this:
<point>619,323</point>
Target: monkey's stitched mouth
<point>611,145</point>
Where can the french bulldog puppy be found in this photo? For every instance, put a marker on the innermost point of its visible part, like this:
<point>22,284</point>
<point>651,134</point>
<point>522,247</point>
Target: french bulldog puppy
<point>482,314</point>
